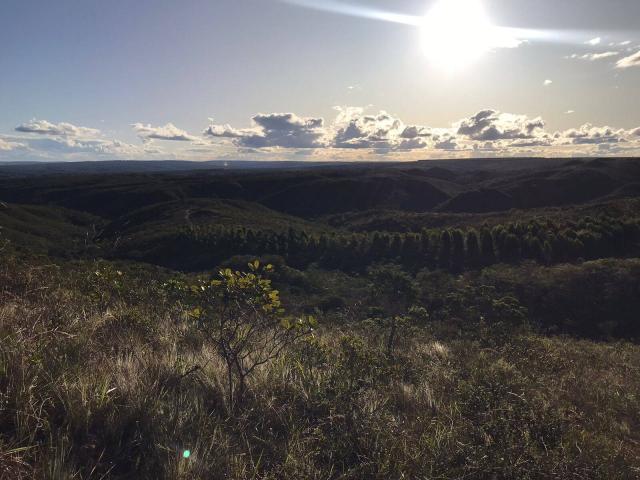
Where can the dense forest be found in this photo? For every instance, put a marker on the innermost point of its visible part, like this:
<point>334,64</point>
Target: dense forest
<point>432,320</point>
<point>453,250</point>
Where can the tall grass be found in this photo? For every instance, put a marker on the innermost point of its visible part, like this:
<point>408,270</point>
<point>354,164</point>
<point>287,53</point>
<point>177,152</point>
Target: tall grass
<point>95,384</point>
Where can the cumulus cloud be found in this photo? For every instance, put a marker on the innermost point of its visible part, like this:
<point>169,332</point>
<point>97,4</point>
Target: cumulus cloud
<point>415,131</point>
<point>409,144</point>
<point>545,141</point>
<point>59,141</point>
<point>54,147</point>
<point>168,132</point>
<point>225,131</point>
<point>361,133</point>
<point>355,133</point>
<point>547,83</point>
<point>630,61</point>
<point>491,125</point>
<point>43,127</point>
<point>354,129</point>
<point>594,41</point>
<point>284,130</point>
<point>588,134</point>
<point>445,142</point>
<point>8,146</point>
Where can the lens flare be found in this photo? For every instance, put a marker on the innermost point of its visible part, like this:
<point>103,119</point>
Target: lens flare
<point>343,8</point>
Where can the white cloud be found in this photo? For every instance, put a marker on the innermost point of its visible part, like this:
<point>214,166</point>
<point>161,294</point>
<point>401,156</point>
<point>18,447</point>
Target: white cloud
<point>7,146</point>
<point>588,134</point>
<point>446,142</point>
<point>415,131</point>
<point>41,139</point>
<point>382,132</point>
<point>226,131</point>
<point>594,41</point>
<point>43,127</point>
<point>599,56</point>
<point>594,56</point>
<point>352,129</point>
<point>355,129</point>
<point>354,134</point>
<point>491,125</point>
<point>286,130</point>
<point>547,83</point>
<point>630,61</point>
<point>52,147</point>
<point>168,132</point>
<point>274,130</point>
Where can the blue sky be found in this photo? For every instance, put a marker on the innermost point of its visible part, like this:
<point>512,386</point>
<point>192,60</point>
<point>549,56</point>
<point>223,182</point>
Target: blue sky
<point>274,79</point>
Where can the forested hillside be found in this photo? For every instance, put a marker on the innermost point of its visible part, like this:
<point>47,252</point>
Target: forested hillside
<point>463,319</point>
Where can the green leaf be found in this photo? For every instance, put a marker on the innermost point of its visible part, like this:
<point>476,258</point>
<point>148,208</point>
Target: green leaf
<point>285,323</point>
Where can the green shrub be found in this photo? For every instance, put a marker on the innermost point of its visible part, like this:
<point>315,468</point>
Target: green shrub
<point>240,315</point>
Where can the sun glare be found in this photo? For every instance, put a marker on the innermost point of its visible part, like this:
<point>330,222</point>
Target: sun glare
<point>455,33</point>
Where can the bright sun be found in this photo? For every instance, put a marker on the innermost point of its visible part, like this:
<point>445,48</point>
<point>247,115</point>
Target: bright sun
<point>456,32</point>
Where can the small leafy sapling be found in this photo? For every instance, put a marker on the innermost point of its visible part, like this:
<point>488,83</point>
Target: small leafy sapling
<point>241,315</point>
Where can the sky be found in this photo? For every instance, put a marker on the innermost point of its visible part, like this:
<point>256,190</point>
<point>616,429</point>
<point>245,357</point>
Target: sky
<point>318,79</point>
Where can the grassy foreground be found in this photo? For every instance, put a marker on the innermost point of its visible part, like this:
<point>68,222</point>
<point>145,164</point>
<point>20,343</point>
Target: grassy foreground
<point>101,377</point>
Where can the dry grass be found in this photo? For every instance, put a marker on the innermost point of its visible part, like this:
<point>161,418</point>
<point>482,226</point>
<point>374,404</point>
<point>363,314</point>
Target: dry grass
<point>96,389</point>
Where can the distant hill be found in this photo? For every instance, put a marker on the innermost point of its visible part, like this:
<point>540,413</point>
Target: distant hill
<point>167,212</point>
<point>472,186</point>
<point>444,169</point>
<point>18,169</point>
